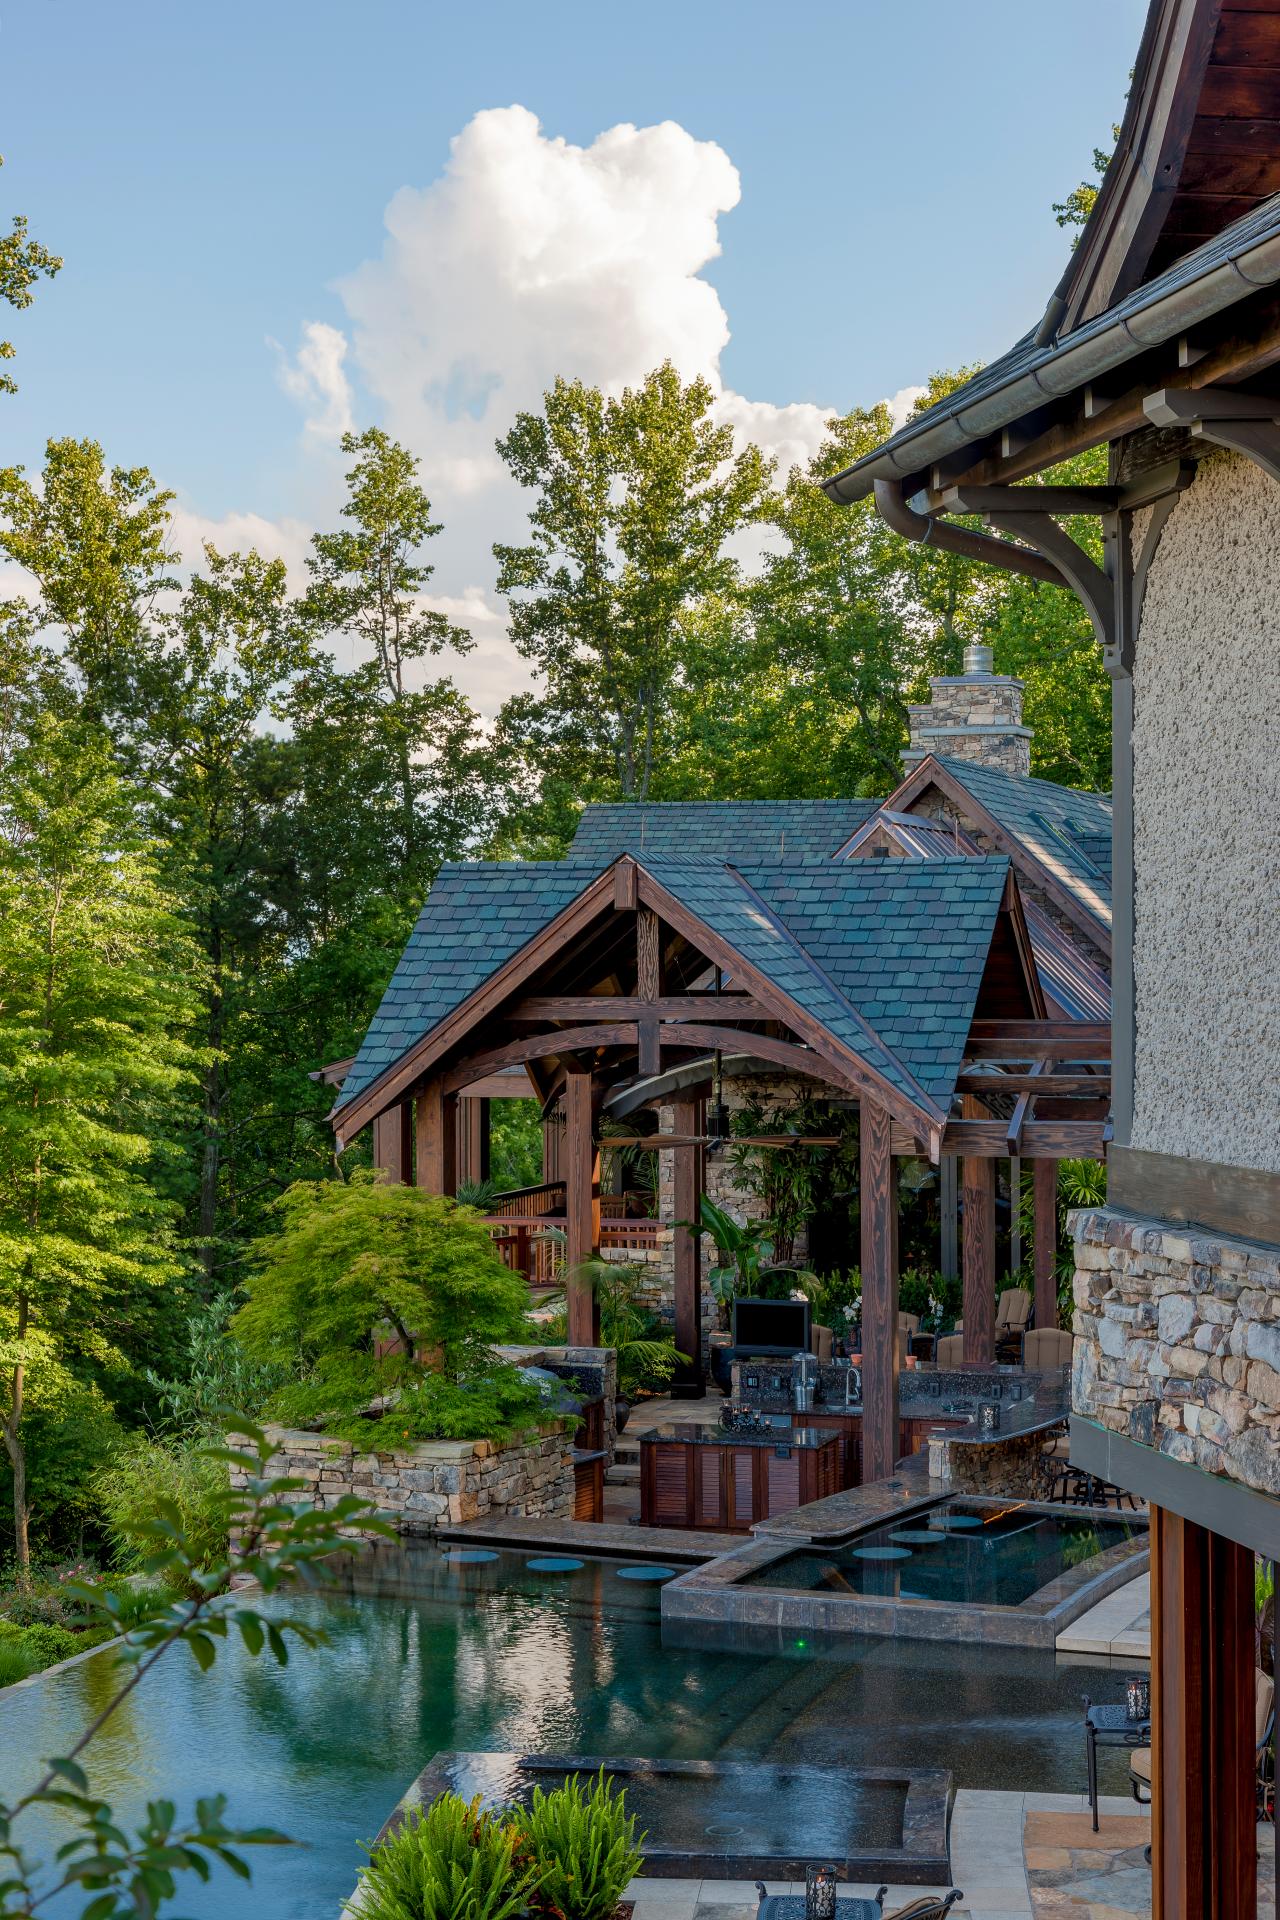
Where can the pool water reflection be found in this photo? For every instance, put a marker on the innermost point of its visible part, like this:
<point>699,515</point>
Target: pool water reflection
<point>429,1653</point>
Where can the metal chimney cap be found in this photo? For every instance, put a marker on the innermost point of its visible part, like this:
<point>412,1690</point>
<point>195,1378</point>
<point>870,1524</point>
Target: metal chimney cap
<point>978,658</point>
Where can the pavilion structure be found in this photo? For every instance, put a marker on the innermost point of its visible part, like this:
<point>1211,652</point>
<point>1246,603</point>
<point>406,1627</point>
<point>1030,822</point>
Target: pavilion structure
<point>908,987</point>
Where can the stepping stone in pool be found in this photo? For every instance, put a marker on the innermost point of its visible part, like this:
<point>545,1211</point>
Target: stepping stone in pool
<point>882,1553</point>
<point>555,1563</point>
<point>471,1557</point>
<point>646,1573</point>
<point>919,1536</point>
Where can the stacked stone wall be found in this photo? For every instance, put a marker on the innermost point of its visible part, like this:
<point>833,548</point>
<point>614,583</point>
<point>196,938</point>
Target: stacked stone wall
<point>1014,1469</point>
<point>973,717</point>
<point>437,1483</point>
<point>1178,1342</point>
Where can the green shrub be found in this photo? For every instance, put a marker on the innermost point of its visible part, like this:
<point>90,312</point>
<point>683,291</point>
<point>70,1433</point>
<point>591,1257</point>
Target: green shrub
<point>451,1862</point>
<point>70,1431</point>
<point>150,1471</point>
<point>48,1645</point>
<point>584,1847</point>
<point>17,1662</point>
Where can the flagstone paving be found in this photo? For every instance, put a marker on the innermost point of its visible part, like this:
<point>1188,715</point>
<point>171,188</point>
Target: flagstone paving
<point>1017,1856</point>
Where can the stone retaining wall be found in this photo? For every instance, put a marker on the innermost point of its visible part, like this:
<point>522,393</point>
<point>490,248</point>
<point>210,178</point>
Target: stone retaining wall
<point>436,1483</point>
<point>1178,1342</point>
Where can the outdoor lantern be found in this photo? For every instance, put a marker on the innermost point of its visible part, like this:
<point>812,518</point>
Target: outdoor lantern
<point>1137,1697</point>
<point>989,1416</point>
<point>819,1893</point>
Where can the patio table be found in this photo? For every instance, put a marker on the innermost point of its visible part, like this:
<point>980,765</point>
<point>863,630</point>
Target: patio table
<point>1109,1727</point>
<point>790,1906</point>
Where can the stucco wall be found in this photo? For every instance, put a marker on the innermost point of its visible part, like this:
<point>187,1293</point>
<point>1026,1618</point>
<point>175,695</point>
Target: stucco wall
<point>1207,826</point>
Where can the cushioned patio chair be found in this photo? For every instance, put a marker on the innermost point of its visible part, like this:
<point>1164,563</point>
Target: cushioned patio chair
<point>930,1906</point>
<point>951,1350</point>
<point>909,1322</point>
<point>1044,1348</point>
<point>1264,1704</point>
<point>1013,1313</point>
<point>821,1343</point>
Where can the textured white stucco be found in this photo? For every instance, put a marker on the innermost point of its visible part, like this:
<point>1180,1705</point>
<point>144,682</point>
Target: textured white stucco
<point>1207,826</point>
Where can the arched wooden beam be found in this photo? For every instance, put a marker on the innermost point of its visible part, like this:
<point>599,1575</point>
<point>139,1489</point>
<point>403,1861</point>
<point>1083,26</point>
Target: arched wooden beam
<point>1081,573</point>
<point>538,1046</point>
<point>784,1053</point>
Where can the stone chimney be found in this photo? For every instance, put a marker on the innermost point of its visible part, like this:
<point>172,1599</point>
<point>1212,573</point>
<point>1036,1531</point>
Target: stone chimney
<point>975,715</point>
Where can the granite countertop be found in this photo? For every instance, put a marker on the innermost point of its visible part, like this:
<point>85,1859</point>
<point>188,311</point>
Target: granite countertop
<point>1046,1406</point>
<point>686,1434</point>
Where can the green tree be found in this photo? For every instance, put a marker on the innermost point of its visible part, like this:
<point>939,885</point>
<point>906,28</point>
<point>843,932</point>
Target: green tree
<point>96,978</point>
<point>22,263</point>
<point>638,498</point>
<point>98,543</point>
<point>368,582</point>
<point>360,1264</point>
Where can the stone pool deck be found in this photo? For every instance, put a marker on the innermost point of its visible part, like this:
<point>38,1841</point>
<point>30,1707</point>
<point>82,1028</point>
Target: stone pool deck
<point>1016,1856</point>
<point>1118,1628</point>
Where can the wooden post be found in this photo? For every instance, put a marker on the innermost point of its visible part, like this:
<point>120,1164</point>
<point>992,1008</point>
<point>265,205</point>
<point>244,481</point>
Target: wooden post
<point>437,1140</point>
<point>978,1178</point>
<point>649,987</point>
<point>1044,1180</point>
<point>1203,1831</point>
<point>393,1144</point>
<point>473,1137</point>
<point>582,1210</point>
<point>879,1205</point>
<point>552,1141</point>
<point>688,1382</point>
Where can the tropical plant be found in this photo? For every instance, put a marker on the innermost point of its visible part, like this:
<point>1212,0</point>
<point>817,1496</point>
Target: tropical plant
<point>646,1352</point>
<point>584,1847</point>
<point>448,1861</point>
<point>476,1193</point>
<point>791,1180</point>
<point>743,1250</point>
<point>282,1544</point>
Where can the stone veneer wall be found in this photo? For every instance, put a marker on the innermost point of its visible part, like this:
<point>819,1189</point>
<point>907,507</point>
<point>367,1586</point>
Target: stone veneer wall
<point>972,716</point>
<point>1206,745</point>
<point>437,1483</point>
<point>1178,1342</point>
<point>1014,1469</point>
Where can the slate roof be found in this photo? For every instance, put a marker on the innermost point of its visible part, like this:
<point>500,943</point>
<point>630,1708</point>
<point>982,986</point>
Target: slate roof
<point>478,915</point>
<point>887,955</point>
<point>742,830</point>
<point>1208,280</point>
<point>1067,830</point>
<point>904,941</point>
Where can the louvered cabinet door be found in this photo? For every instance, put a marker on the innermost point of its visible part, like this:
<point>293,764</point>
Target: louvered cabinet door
<point>742,1488</point>
<point>709,1503</point>
<point>667,1476</point>
<point>782,1483</point>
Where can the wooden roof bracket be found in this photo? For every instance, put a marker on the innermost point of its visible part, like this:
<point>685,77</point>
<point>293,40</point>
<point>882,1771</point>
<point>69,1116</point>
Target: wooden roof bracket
<point>1247,423</point>
<point>1087,580</point>
<point>928,530</point>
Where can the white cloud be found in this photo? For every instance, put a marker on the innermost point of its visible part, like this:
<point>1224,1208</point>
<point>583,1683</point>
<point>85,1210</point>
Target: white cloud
<point>317,380</point>
<point>903,403</point>
<point>287,539</point>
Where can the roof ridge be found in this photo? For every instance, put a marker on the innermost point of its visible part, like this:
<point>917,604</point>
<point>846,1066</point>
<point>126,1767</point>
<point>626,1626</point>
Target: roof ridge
<point>820,973</point>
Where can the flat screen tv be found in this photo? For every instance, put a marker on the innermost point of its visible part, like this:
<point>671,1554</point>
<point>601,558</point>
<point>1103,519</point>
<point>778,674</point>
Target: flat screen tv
<point>771,1326</point>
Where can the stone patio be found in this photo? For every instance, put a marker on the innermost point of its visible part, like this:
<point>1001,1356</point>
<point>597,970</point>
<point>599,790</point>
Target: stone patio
<point>1017,1856</point>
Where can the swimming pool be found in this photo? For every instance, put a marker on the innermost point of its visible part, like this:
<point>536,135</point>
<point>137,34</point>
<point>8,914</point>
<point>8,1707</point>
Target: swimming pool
<point>988,1555</point>
<point>433,1654</point>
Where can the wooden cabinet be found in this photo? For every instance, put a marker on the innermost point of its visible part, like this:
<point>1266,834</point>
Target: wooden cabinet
<point>726,1488</point>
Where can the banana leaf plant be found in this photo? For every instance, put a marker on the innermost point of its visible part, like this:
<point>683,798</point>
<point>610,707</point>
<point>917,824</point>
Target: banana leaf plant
<point>743,1251</point>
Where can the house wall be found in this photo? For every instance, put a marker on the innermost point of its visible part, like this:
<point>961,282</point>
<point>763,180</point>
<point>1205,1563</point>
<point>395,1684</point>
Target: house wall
<point>1207,826</point>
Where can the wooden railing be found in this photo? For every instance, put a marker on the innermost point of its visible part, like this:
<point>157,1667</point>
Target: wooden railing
<point>522,1225</point>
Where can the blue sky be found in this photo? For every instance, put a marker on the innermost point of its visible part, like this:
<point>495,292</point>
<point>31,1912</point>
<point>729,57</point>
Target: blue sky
<point>214,176</point>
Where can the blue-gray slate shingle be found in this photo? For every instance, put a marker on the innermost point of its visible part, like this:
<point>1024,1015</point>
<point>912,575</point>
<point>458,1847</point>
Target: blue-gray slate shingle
<point>743,830</point>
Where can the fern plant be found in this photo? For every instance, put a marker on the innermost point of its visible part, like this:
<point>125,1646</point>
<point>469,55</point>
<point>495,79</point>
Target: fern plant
<point>584,1847</point>
<point>449,1862</point>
